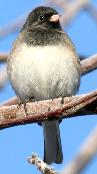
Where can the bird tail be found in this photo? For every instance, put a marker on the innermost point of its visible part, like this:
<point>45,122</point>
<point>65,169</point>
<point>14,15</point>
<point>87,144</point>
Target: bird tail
<point>52,142</point>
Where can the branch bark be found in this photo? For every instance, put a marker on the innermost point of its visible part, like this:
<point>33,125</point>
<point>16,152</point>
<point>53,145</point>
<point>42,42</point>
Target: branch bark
<point>3,57</point>
<point>50,109</point>
<point>89,64</point>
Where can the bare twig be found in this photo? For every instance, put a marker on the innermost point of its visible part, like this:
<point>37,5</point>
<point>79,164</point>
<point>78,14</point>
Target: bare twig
<point>3,57</point>
<point>58,3</point>
<point>92,10</point>
<point>3,77</point>
<point>13,27</point>
<point>40,111</point>
<point>85,154</point>
<point>71,9</point>
<point>89,64</point>
<point>12,101</point>
<point>41,166</point>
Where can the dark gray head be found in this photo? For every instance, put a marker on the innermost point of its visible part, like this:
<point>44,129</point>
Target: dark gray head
<point>45,17</point>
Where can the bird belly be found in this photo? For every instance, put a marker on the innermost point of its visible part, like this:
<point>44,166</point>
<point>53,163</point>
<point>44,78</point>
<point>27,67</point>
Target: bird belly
<point>43,72</point>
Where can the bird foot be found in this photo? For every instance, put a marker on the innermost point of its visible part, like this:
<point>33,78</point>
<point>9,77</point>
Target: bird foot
<point>62,101</point>
<point>24,105</point>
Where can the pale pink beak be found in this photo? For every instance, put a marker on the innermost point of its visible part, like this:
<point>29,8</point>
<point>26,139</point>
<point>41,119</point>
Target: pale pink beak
<point>55,18</point>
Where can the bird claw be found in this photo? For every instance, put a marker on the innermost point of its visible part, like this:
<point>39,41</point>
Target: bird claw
<point>62,101</point>
<point>19,104</point>
<point>24,105</point>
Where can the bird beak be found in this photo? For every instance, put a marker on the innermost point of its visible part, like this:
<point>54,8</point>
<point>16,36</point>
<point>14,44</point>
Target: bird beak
<point>55,18</point>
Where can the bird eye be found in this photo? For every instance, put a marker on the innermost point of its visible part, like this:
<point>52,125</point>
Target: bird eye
<point>41,17</point>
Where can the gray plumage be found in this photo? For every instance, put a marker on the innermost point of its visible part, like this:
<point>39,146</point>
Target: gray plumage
<point>52,142</point>
<point>43,64</point>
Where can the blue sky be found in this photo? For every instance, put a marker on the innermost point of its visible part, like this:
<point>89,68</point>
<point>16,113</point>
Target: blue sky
<point>17,143</point>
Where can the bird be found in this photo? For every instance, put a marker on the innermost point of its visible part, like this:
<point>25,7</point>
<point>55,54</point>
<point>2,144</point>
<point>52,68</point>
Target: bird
<point>43,64</point>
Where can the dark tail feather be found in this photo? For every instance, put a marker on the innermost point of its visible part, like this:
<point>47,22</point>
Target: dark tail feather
<point>52,142</point>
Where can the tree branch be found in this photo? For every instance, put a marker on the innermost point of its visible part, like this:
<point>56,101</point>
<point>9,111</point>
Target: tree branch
<point>12,101</point>
<point>3,57</point>
<point>12,27</point>
<point>3,77</point>
<point>49,109</point>
<point>83,157</point>
<point>85,154</point>
<point>89,64</point>
<point>41,166</point>
<point>92,10</point>
<point>71,9</point>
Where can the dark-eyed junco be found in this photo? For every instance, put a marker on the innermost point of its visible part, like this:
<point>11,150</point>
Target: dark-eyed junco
<point>43,64</point>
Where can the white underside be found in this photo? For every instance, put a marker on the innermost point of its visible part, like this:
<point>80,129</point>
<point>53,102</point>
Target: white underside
<point>43,72</point>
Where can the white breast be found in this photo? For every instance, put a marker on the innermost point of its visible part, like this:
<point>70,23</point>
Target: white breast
<point>43,72</point>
